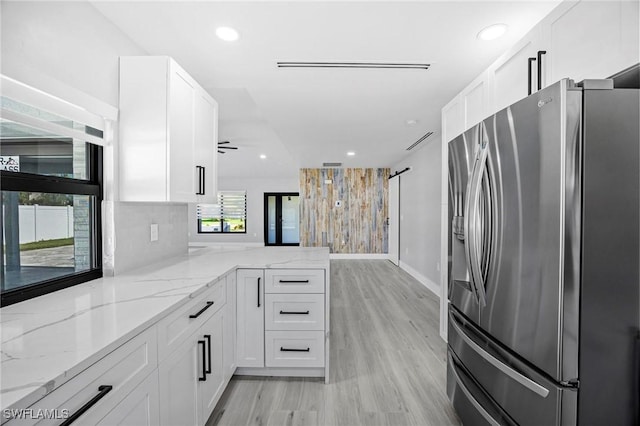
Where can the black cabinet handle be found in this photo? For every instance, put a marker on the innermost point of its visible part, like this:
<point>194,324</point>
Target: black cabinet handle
<point>208,337</point>
<point>102,392</point>
<point>294,350</point>
<point>530,72</point>
<point>294,313</point>
<point>204,367</point>
<point>204,180</point>
<point>258,292</point>
<point>294,281</point>
<point>197,314</point>
<point>200,180</point>
<point>540,53</point>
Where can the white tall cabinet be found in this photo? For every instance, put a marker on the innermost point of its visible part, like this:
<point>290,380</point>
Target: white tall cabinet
<point>168,133</point>
<point>250,318</point>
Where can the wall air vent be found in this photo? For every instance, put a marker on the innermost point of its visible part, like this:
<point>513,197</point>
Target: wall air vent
<point>413,145</point>
<point>386,65</point>
<point>331,164</point>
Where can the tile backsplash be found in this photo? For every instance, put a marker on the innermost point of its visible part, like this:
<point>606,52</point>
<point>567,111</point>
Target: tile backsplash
<point>132,247</point>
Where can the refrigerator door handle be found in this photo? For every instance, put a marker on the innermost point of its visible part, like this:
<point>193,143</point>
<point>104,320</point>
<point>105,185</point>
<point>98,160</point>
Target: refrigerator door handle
<point>471,398</point>
<point>470,217</point>
<point>523,380</point>
<point>468,241</point>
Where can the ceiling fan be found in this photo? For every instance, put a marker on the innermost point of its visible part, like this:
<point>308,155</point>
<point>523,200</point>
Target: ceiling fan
<point>220,148</point>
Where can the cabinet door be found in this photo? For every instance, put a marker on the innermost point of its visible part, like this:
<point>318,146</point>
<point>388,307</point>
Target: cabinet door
<point>139,408</point>
<point>229,342</point>
<point>206,141</point>
<point>250,318</point>
<point>474,98</point>
<point>179,383</point>
<point>452,119</point>
<point>589,39</point>
<point>508,76</point>
<point>211,388</point>
<point>182,170</point>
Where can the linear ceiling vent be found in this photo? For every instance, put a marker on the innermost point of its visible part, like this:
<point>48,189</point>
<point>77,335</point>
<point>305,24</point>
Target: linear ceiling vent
<point>413,145</point>
<point>331,164</point>
<point>388,65</point>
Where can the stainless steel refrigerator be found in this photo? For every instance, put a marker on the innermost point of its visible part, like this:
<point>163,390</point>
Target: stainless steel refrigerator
<point>544,288</point>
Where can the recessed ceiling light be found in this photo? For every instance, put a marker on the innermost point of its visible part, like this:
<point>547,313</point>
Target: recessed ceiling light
<point>227,34</point>
<point>492,32</point>
<point>351,153</point>
<point>263,156</point>
<point>411,122</point>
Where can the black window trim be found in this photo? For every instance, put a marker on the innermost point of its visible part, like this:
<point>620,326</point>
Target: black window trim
<point>28,182</point>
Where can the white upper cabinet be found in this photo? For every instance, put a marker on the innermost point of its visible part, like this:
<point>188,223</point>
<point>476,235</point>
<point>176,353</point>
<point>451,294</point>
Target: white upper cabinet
<point>168,133</point>
<point>591,39</point>
<point>577,40</point>
<point>515,74</point>
<point>468,108</point>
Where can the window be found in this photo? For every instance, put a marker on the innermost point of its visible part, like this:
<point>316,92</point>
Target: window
<point>51,171</point>
<point>228,216</point>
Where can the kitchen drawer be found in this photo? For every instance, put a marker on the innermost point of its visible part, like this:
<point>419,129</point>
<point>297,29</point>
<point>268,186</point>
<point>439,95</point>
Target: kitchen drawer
<point>294,348</point>
<point>294,281</point>
<point>294,311</point>
<point>123,369</point>
<point>177,326</point>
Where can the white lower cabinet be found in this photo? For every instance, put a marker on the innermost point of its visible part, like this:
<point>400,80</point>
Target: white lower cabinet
<point>192,378</point>
<point>139,408</point>
<point>174,372</point>
<point>212,387</point>
<point>250,317</point>
<point>294,348</point>
<point>229,338</point>
<point>179,386</point>
<point>89,396</point>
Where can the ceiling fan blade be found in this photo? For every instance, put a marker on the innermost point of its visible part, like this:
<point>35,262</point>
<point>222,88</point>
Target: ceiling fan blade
<point>223,142</point>
<point>227,147</point>
<point>221,152</point>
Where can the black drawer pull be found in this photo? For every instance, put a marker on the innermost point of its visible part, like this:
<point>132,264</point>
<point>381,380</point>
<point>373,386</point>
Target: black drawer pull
<point>294,281</point>
<point>258,292</point>
<point>294,350</point>
<point>102,392</point>
<point>204,367</point>
<point>197,314</point>
<point>294,313</point>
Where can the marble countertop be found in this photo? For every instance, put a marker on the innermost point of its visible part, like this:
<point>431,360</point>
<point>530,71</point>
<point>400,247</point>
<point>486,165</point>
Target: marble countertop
<point>49,339</point>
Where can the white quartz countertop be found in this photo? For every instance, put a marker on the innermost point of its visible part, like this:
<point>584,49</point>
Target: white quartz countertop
<point>49,339</point>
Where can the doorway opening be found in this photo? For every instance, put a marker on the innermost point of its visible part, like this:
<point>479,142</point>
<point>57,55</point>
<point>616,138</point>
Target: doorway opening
<point>281,219</point>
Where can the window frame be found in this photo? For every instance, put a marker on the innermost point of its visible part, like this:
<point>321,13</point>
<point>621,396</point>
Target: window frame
<point>222,232</point>
<point>93,186</point>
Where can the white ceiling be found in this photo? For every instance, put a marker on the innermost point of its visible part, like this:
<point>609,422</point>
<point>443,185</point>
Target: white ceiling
<point>304,117</point>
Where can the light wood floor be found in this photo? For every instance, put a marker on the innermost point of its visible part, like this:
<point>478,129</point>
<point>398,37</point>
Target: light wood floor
<point>387,360</point>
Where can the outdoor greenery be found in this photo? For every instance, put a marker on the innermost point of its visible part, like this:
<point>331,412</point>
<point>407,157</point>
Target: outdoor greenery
<point>45,199</point>
<point>46,244</point>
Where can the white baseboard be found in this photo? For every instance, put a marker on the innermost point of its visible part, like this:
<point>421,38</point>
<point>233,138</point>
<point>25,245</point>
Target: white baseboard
<point>430,285</point>
<point>379,256</point>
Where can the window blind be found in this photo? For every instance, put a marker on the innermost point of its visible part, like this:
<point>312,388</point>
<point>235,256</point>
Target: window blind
<point>231,205</point>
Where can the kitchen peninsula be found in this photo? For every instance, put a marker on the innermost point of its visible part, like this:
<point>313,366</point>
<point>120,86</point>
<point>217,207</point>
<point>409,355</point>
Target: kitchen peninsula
<point>168,334</point>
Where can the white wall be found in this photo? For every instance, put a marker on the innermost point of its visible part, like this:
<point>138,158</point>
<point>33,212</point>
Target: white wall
<point>71,50</point>
<point>420,222</point>
<point>255,188</point>
<point>133,233</point>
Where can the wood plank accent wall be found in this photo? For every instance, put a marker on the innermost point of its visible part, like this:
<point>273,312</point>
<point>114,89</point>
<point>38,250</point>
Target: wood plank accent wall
<point>359,224</point>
